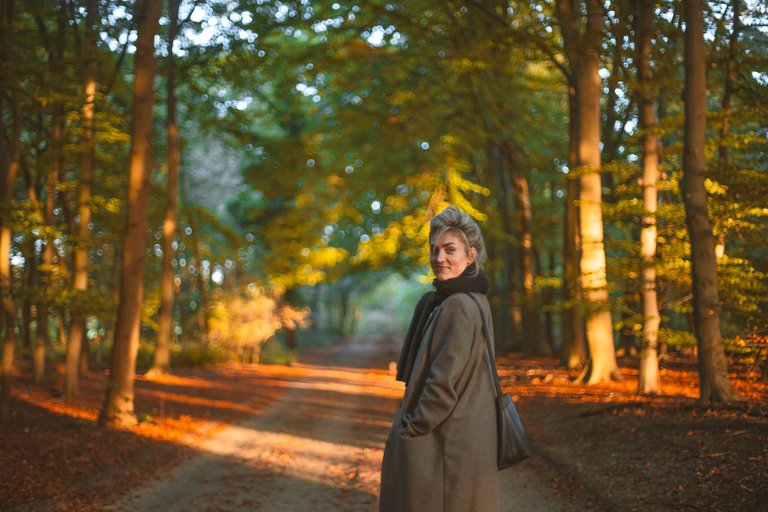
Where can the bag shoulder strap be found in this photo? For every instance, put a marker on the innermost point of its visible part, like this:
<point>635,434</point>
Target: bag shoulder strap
<point>491,360</point>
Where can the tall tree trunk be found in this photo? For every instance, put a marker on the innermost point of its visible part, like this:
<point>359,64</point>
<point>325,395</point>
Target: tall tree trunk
<point>730,77</point>
<point>85,189</point>
<point>533,341</point>
<point>162,359</point>
<point>118,408</point>
<point>713,371</point>
<point>42,338</point>
<point>10,160</point>
<point>574,350</point>
<point>648,378</point>
<point>507,332</point>
<point>584,56</point>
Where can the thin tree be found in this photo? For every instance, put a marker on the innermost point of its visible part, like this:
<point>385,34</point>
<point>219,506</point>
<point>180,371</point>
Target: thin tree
<point>85,188</point>
<point>118,408</point>
<point>533,342</point>
<point>713,370</point>
<point>162,358</point>
<point>648,379</point>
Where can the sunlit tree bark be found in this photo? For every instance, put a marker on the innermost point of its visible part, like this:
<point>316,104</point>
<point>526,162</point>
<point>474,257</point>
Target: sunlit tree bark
<point>585,49</point>
<point>713,371</point>
<point>574,350</point>
<point>10,159</point>
<point>118,405</point>
<point>85,187</point>
<point>648,379</point>
<point>162,359</point>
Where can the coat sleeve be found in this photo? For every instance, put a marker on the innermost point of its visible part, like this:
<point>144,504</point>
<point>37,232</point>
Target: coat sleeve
<point>450,349</point>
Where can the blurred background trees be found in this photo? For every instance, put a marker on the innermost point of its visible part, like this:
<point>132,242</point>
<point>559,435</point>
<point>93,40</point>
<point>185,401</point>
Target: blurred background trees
<point>299,148</point>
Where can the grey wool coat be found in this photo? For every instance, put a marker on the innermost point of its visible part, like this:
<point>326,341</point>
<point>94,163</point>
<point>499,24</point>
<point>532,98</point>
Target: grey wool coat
<point>441,451</point>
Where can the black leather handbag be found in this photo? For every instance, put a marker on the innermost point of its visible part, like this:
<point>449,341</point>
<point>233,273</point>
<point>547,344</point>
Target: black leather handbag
<point>512,443</point>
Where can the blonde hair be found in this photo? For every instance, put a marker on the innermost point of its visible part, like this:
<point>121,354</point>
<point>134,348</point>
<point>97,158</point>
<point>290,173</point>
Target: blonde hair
<point>454,219</point>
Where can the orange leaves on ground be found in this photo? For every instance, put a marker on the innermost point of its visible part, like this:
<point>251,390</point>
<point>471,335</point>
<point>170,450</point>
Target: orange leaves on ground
<point>47,433</point>
<point>609,448</point>
<point>679,381</point>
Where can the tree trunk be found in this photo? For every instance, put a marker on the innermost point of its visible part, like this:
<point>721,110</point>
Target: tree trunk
<point>118,408</point>
<point>533,341</point>
<point>730,77</point>
<point>507,334</point>
<point>574,351</point>
<point>84,362</point>
<point>713,371</point>
<point>85,188</point>
<point>592,266</point>
<point>648,378</point>
<point>162,359</point>
<point>10,159</point>
<point>61,329</point>
<point>42,338</point>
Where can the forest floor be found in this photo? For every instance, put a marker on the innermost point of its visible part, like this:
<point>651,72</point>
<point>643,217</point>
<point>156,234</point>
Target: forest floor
<point>310,436</point>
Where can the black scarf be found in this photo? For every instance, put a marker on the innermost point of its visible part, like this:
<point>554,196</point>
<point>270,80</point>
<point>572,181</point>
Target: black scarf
<point>428,303</point>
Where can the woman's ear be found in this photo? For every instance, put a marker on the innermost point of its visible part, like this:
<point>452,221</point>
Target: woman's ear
<point>472,254</point>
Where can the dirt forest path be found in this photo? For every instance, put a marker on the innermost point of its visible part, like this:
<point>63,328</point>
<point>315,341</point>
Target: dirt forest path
<point>317,448</point>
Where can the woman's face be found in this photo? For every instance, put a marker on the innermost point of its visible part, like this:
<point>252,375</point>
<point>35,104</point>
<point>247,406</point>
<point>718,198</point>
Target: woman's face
<point>449,256</point>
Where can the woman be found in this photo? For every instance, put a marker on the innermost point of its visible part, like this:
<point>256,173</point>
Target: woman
<point>441,451</point>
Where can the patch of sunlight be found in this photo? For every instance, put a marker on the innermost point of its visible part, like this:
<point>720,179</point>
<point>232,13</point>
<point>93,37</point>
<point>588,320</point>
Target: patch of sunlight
<point>58,406</point>
<point>350,389</point>
<point>194,400</point>
<point>177,380</point>
<point>309,459</point>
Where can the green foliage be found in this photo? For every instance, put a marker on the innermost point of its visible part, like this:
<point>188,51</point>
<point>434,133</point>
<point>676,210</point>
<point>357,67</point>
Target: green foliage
<point>190,355</point>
